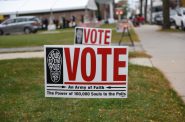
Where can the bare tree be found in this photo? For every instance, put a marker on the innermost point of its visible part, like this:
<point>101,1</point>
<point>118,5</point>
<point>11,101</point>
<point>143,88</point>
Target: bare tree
<point>166,21</point>
<point>146,7</point>
<point>141,7</point>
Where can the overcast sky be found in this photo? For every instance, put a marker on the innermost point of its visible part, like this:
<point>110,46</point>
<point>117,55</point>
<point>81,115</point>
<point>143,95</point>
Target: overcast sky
<point>130,2</point>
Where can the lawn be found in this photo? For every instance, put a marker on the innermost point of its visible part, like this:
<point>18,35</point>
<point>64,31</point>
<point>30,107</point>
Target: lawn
<point>117,36</point>
<point>171,30</point>
<point>150,98</point>
<point>65,36</point>
<point>36,39</point>
<point>139,54</point>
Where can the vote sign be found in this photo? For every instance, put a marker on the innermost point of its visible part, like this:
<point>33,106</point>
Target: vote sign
<point>92,36</point>
<point>86,72</point>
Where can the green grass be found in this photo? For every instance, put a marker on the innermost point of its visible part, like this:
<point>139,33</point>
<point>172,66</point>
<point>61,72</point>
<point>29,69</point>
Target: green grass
<point>150,98</point>
<point>137,54</point>
<point>61,37</point>
<point>109,26</point>
<point>117,36</point>
<point>171,30</point>
<point>36,39</point>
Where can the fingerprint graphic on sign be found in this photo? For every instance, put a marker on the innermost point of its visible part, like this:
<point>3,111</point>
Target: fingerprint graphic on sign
<point>54,62</point>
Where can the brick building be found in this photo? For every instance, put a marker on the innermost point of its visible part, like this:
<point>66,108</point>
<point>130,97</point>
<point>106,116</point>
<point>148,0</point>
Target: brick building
<point>82,10</point>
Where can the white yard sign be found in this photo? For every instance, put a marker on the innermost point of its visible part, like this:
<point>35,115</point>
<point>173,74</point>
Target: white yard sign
<point>86,72</point>
<point>92,36</point>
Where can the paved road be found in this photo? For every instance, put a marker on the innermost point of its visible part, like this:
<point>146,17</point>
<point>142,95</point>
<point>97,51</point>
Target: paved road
<point>168,54</point>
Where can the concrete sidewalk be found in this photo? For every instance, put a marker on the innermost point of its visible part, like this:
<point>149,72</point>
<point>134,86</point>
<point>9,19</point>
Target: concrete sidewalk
<point>168,54</point>
<point>22,49</point>
<point>7,56</point>
<point>37,52</point>
<point>137,47</point>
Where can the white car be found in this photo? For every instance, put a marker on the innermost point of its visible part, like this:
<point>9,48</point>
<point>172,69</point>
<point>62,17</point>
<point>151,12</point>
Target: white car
<point>179,18</point>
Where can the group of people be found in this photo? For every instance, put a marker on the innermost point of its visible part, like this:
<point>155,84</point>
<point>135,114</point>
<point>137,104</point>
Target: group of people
<point>60,23</point>
<point>137,20</point>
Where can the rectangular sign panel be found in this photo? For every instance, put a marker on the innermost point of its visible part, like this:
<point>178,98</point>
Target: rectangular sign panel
<point>92,36</point>
<point>122,27</point>
<point>86,72</point>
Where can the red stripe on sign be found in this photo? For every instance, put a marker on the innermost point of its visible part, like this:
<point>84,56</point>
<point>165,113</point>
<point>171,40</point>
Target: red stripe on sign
<point>117,64</point>
<point>95,83</point>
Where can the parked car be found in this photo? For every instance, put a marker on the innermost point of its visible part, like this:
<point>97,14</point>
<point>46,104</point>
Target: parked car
<point>159,18</point>
<point>26,24</point>
<point>180,18</point>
